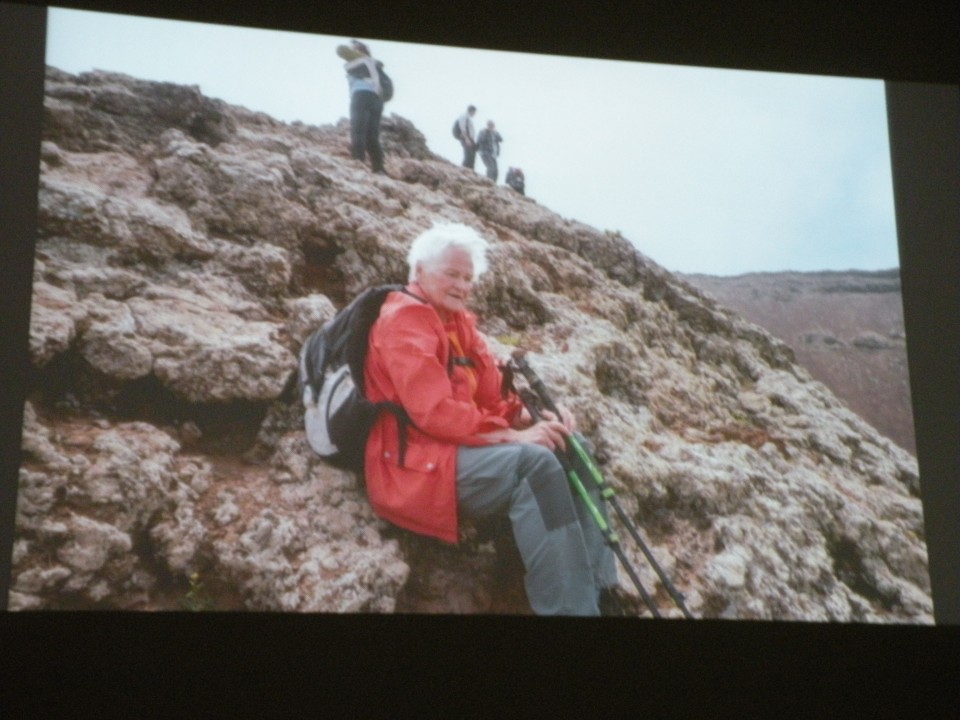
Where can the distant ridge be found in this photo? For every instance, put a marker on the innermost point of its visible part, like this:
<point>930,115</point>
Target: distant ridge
<point>846,327</point>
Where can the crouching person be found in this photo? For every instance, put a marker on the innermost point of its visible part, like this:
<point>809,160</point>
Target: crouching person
<point>466,451</point>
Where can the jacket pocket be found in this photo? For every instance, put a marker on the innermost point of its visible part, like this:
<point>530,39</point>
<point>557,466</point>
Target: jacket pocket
<point>417,457</point>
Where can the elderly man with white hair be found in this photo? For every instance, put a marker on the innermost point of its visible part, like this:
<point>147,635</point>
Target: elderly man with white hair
<point>468,451</point>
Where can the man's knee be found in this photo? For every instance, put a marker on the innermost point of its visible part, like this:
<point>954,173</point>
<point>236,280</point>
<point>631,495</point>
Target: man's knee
<point>544,475</point>
<point>536,459</point>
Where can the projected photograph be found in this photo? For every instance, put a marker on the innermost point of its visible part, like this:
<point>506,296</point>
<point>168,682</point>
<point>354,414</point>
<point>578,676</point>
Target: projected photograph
<point>643,353</point>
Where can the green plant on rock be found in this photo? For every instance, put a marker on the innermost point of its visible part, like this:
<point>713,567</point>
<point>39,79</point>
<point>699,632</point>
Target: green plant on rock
<point>509,339</point>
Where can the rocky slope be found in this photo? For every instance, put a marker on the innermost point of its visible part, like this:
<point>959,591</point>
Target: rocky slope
<point>846,328</point>
<point>187,247</point>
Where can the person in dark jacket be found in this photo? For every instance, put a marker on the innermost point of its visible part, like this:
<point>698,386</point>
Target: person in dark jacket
<point>488,143</point>
<point>366,104</point>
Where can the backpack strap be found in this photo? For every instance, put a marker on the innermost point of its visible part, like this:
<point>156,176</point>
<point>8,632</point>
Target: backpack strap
<point>404,290</point>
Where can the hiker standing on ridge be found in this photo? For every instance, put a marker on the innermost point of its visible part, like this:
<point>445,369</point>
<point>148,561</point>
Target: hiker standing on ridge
<point>467,137</point>
<point>366,103</point>
<point>488,143</point>
<point>468,451</point>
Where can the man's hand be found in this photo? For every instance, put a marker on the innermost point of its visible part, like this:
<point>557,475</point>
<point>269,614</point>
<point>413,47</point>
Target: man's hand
<point>551,434</point>
<point>549,431</point>
<point>523,419</point>
<point>566,417</point>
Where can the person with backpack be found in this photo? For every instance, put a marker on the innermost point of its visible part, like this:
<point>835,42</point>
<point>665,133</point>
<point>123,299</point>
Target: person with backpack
<point>463,131</point>
<point>464,448</point>
<point>368,92</point>
<point>488,143</point>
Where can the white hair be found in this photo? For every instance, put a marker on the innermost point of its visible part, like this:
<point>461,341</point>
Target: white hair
<point>430,244</point>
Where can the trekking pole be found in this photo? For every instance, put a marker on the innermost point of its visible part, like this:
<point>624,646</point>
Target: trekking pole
<point>609,536</point>
<point>536,384</point>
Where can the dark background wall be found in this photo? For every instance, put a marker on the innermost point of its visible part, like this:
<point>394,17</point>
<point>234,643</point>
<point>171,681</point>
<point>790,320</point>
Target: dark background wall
<point>150,665</point>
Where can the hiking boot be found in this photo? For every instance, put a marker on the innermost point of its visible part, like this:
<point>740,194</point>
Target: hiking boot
<point>611,604</point>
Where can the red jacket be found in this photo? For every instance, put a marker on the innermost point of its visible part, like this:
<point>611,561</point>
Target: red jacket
<point>407,361</point>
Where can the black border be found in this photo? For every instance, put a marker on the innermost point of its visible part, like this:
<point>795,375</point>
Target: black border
<point>926,176</point>
<point>146,665</point>
<point>22,51</point>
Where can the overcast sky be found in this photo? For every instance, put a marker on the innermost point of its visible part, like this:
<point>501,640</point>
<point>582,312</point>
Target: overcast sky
<point>704,170</point>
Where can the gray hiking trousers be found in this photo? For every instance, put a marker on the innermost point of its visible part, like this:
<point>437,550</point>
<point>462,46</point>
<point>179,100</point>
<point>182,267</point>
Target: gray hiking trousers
<point>566,558</point>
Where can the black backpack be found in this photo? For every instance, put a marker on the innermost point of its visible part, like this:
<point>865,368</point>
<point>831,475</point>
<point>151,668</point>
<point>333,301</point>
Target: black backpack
<point>457,133</point>
<point>386,84</point>
<point>337,415</point>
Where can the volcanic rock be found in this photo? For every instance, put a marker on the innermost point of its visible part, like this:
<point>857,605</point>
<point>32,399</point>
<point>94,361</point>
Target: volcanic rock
<point>186,247</point>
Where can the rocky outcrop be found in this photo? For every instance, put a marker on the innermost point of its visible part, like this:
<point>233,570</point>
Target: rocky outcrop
<point>186,249</point>
<point>846,328</point>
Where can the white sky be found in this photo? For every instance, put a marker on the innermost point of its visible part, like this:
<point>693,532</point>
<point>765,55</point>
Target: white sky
<point>704,170</point>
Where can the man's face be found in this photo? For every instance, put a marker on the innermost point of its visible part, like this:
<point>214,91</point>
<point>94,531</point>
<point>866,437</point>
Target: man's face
<point>447,281</point>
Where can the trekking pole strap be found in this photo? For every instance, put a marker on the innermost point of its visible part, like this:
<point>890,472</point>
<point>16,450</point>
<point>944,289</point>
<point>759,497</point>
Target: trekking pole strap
<point>536,384</point>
